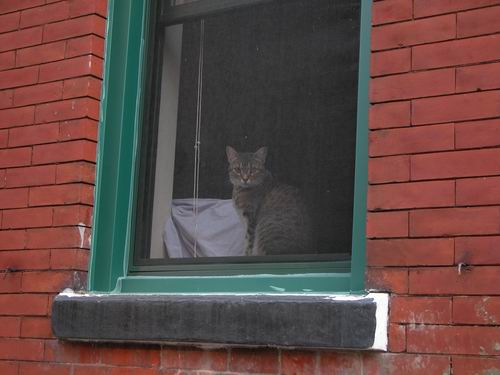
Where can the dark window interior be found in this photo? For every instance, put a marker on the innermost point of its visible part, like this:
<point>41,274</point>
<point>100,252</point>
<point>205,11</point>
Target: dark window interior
<point>281,74</point>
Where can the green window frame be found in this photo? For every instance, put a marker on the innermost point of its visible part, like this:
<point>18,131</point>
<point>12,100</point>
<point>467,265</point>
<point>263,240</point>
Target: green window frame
<point>110,269</point>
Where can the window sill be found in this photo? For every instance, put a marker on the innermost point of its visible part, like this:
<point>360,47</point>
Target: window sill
<point>270,320</point>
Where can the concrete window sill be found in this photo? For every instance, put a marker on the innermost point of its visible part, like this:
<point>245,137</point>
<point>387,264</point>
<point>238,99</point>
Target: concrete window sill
<point>267,320</point>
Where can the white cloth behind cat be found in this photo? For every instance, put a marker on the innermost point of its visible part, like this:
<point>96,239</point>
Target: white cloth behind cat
<point>219,231</point>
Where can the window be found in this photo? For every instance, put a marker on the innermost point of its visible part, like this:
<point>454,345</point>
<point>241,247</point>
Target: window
<point>284,85</point>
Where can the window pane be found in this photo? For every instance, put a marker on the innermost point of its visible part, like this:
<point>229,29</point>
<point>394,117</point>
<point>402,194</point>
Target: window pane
<point>277,83</point>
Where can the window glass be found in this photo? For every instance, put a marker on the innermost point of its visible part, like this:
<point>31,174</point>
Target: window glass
<point>254,147</point>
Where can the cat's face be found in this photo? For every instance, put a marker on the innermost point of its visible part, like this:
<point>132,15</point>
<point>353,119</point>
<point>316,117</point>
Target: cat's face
<point>246,169</point>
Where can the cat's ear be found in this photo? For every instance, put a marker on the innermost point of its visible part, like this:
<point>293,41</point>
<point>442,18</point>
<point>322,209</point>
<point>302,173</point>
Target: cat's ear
<point>231,154</point>
<point>261,154</point>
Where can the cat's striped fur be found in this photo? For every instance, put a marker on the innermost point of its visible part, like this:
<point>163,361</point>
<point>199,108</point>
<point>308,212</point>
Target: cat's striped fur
<point>274,214</point>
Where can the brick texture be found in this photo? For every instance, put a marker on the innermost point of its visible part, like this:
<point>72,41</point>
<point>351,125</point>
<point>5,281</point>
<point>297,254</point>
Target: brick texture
<point>433,210</point>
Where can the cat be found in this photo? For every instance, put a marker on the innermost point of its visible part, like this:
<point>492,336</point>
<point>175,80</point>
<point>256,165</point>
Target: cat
<point>274,214</point>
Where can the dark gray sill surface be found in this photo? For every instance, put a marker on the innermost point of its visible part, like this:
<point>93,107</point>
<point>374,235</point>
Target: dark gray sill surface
<point>225,320</point>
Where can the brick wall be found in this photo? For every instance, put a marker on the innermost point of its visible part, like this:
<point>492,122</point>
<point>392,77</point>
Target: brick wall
<point>434,194</point>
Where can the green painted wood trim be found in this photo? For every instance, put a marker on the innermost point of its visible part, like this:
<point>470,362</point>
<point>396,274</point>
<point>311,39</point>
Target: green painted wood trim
<point>119,136</point>
<point>358,255</point>
<point>297,283</point>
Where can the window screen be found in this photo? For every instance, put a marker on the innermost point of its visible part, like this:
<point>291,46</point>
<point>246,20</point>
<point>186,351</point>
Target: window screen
<point>251,153</point>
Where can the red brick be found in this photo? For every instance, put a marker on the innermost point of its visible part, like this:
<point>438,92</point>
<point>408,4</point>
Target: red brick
<point>6,98</point>
<point>424,8</point>
<point>11,282</point>
<point>297,362</point>
<point>44,369</point>
<point>20,39</point>
<point>397,338</point>
<point>18,77</point>
<point>477,250</point>
<point>421,310</point>
<point>7,60</point>
<point>38,94</point>
<point>12,239</point>
<point>340,363</point>
<point>412,85</point>
<point>65,151</point>
<point>131,356</point>
<point>85,86</point>
<point>7,6</point>
<point>80,8</point>
<point>455,221</point>
<point>91,24</point>
<point>27,218</point>
<point>410,252</point>
<point>51,281</point>
<point>60,194</point>
<point>2,179</point>
<point>391,11</point>
<point>10,326</point>
<point>21,349</point>
<point>475,365</point>
<point>67,110</point>
<point>87,45</point>
<point>194,359</point>
<point>476,310</point>
<point>456,52</point>
<point>69,259</point>
<point>23,304</point>
<point>390,115</point>
<point>67,352</point>
<point>477,78</point>
<point>25,259</point>
<point>390,62</point>
<point>9,22</point>
<point>455,164</point>
<point>478,22</point>
<point>475,280</point>
<point>69,68</point>
<point>78,129</point>
<point>73,215</point>
<point>412,140</point>
<point>460,107</point>
<point>36,327</point>
<point>16,117</point>
<point>254,361</point>
<point>453,340</point>
<point>13,198</point>
<point>58,238</point>
<point>9,368</point>
<point>477,134</point>
<point>41,54</point>
<point>15,157</point>
<point>33,135</point>
<point>478,191</point>
<point>389,169</point>
<point>411,195</point>
<point>4,136</point>
<point>414,32</point>
<point>76,172</point>
<point>399,364</point>
<point>31,176</point>
<point>46,14</point>
<point>93,370</point>
<point>387,224</point>
<point>387,279</point>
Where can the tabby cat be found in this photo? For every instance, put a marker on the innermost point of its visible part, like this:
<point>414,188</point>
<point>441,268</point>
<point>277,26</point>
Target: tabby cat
<point>274,214</point>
